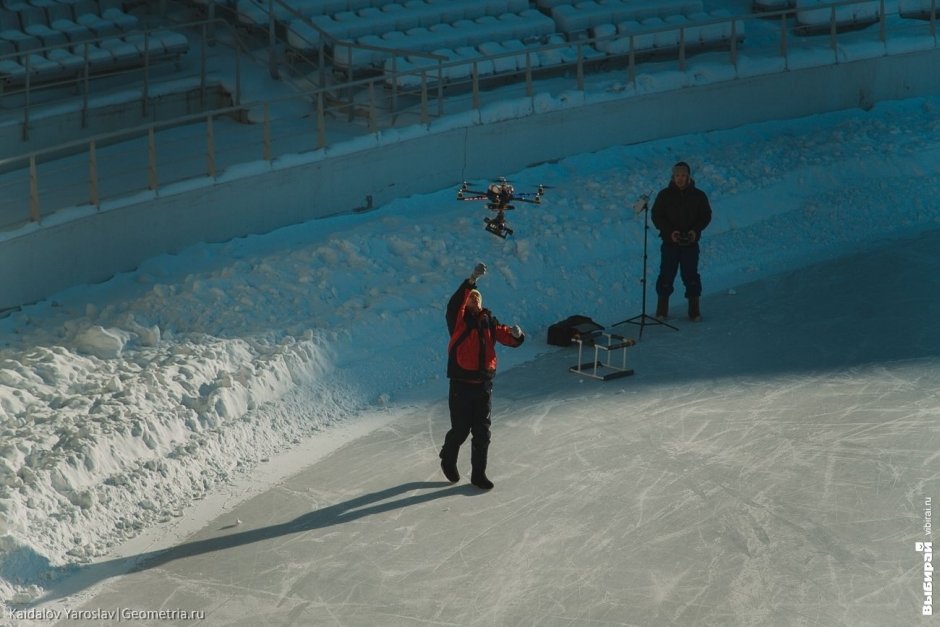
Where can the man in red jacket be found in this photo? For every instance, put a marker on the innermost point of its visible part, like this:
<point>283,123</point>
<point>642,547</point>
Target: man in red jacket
<point>471,366</point>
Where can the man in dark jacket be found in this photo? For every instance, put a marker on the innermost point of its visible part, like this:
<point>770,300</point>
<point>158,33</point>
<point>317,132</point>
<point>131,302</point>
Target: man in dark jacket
<point>681,212</point>
<point>471,366</point>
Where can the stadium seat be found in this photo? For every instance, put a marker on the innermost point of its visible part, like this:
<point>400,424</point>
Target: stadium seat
<point>85,13</point>
<point>159,43</point>
<point>113,11</point>
<point>548,5</point>
<point>61,18</point>
<point>11,30</point>
<point>321,7</point>
<point>554,54</point>
<point>37,65</point>
<point>124,54</point>
<point>811,19</point>
<point>70,63</point>
<point>11,70</point>
<point>35,22</point>
<point>700,30</point>
<point>525,26</point>
<point>302,36</point>
<point>471,55</point>
<point>917,8</point>
<point>174,43</point>
<point>773,5</point>
<point>578,18</point>
<point>501,63</point>
<point>255,13</point>
<point>146,44</point>
<point>98,59</point>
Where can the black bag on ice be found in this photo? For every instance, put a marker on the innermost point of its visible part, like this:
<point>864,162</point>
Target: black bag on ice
<point>562,332</point>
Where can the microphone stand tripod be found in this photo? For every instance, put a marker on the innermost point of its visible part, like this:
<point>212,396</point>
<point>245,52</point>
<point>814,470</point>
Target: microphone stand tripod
<point>642,319</point>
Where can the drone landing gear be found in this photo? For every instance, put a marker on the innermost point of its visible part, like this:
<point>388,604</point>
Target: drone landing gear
<point>497,227</point>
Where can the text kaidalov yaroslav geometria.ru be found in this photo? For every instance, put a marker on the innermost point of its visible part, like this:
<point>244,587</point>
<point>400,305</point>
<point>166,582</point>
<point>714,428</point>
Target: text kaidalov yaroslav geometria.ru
<point>110,615</point>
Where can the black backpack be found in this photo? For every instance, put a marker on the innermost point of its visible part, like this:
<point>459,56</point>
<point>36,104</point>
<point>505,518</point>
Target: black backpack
<point>562,332</point>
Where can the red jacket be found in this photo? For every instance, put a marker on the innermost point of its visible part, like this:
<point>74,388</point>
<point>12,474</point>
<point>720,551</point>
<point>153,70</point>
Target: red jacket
<point>472,347</point>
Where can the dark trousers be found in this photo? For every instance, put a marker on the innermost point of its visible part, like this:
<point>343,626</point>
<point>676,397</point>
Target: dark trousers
<point>673,259</point>
<point>469,414</point>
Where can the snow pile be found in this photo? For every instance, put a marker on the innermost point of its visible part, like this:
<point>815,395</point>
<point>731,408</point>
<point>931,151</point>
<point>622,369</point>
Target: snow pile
<point>107,431</point>
<point>123,403</point>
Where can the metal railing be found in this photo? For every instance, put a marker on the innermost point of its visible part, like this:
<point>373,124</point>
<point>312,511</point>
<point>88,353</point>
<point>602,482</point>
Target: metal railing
<point>32,90</point>
<point>150,156</point>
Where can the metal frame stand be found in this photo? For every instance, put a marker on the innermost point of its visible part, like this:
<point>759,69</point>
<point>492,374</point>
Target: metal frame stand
<point>606,370</point>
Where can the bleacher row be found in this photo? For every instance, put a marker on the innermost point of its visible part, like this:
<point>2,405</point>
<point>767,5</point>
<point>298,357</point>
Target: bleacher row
<point>47,40</point>
<point>697,30</point>
<point>581,16</point>
<point>509,28</point>
<point>815,16</point>
<point>371,35</point>
<point>372,20</point>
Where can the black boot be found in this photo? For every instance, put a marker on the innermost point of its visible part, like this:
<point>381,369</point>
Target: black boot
<point>662,308</point>
<point>480,480</point>
<point>695,314</point>
<point>478,454</point>
<point>449,466</point>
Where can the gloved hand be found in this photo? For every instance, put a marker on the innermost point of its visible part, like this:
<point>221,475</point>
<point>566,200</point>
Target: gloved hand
<point>479,271</point>
<point>516,331</point>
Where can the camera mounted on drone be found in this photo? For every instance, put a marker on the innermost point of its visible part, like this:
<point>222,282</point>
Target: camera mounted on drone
<point>499,195</point>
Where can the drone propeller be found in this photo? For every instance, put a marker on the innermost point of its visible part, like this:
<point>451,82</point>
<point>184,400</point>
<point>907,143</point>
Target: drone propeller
<point>474,194</point>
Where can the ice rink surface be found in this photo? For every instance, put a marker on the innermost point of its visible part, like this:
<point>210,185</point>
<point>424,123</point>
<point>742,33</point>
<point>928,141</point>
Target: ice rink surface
<point>767,466</point>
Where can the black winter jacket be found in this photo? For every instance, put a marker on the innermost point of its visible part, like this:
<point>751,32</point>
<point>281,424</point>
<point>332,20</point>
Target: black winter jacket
<point>681,210</point>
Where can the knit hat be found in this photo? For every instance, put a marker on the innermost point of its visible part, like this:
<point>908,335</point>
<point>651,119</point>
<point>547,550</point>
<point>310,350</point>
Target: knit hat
<point>683,164</point>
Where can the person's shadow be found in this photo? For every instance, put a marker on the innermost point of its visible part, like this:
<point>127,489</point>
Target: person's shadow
<point>68,580</point>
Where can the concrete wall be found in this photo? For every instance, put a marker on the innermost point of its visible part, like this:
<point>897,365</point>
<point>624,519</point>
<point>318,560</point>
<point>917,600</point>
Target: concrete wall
<point>36,264</point>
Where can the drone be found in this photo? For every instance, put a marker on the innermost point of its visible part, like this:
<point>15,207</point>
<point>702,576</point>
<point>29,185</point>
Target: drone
<point>498,196</point>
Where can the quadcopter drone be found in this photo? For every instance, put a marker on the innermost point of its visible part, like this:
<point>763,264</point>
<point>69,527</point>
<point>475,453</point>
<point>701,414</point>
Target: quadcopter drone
<point>498,195</point>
